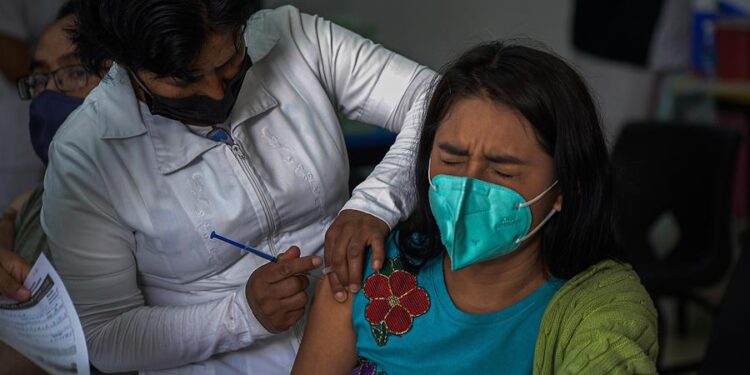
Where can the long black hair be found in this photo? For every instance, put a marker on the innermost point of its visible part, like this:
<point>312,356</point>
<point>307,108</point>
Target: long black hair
<point>555,100</point>
<point>160,36</point>
<point>68,8</point>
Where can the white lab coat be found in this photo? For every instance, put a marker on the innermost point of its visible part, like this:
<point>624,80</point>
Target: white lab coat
<point>131,198</point>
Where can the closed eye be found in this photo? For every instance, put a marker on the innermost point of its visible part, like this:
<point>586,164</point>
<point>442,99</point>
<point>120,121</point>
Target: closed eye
<point>504,175</point>
<point>186,82</point>
<point>451,162</point>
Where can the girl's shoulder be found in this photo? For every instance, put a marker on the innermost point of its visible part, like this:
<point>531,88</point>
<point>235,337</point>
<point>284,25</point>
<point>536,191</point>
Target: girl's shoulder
<point>606,286</point>
<point>606,282</point>
<point>602,313</point>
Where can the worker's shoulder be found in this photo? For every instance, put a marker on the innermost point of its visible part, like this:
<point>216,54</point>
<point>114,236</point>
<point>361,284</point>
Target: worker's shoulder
<point>283,23</point>
<point>80,128</point>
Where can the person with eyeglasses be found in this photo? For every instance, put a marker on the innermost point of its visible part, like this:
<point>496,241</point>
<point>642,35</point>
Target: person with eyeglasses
<point>56,85</point>
<point>22,23</point>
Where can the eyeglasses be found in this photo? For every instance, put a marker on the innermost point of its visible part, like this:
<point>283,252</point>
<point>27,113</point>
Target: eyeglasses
<point>67,79</point>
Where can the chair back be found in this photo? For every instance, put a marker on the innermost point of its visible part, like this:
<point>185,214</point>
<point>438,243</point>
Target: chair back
<point>675,178</point>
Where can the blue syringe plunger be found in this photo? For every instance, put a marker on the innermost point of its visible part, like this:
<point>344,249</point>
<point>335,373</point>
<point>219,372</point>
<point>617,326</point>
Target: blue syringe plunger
<point>240,246</point>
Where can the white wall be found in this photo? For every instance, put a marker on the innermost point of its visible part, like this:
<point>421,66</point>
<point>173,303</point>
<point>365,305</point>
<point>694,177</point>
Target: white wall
<point>433,32</point>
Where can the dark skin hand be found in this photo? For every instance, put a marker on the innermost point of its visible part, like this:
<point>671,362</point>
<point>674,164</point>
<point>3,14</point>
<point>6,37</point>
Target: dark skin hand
<point>277,292</point>
<point>13,270</point>
<point>345,243</point>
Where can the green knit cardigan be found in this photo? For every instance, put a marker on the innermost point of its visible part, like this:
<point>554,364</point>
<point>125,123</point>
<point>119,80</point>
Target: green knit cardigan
<point>602,321</point>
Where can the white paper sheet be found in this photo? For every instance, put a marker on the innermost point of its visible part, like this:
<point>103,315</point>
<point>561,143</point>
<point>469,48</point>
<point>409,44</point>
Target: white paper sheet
<point>46,328</point>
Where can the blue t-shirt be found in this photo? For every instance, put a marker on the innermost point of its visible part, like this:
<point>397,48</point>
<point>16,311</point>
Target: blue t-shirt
<point>410,325</point>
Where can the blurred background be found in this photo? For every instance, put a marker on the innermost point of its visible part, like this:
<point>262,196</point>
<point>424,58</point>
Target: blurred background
<point>672,80</point>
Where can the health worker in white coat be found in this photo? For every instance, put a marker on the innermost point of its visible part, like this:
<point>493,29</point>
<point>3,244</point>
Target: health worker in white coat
<point>213,120</point>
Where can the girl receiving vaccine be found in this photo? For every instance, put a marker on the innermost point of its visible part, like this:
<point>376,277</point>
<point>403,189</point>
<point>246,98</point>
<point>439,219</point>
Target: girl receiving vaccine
<point>508,265</point>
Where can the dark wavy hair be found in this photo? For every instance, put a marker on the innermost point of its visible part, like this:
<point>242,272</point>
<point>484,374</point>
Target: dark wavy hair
<point>68,8</point>
<point>557,103</point>
<point>160,36</point>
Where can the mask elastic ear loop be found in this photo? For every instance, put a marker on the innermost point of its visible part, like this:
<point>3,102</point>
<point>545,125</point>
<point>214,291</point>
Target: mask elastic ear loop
<point>140,84</point>
<point>546,219</point>
<point>429,173</point>
<point>538,197</point>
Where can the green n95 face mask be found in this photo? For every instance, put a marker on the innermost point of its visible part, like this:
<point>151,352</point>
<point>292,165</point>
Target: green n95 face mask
<point>479,220</point>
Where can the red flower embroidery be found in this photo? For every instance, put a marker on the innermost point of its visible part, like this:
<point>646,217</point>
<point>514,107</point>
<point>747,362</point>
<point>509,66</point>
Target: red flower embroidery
<point>395,301</point>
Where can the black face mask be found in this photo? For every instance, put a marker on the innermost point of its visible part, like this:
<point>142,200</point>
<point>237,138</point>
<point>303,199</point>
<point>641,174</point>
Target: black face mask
<point>197,109</point>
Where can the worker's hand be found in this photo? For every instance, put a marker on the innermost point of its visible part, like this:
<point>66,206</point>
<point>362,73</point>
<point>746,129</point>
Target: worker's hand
<point>277,292</point>
<point>13,271</point>
<point>346,240</point>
